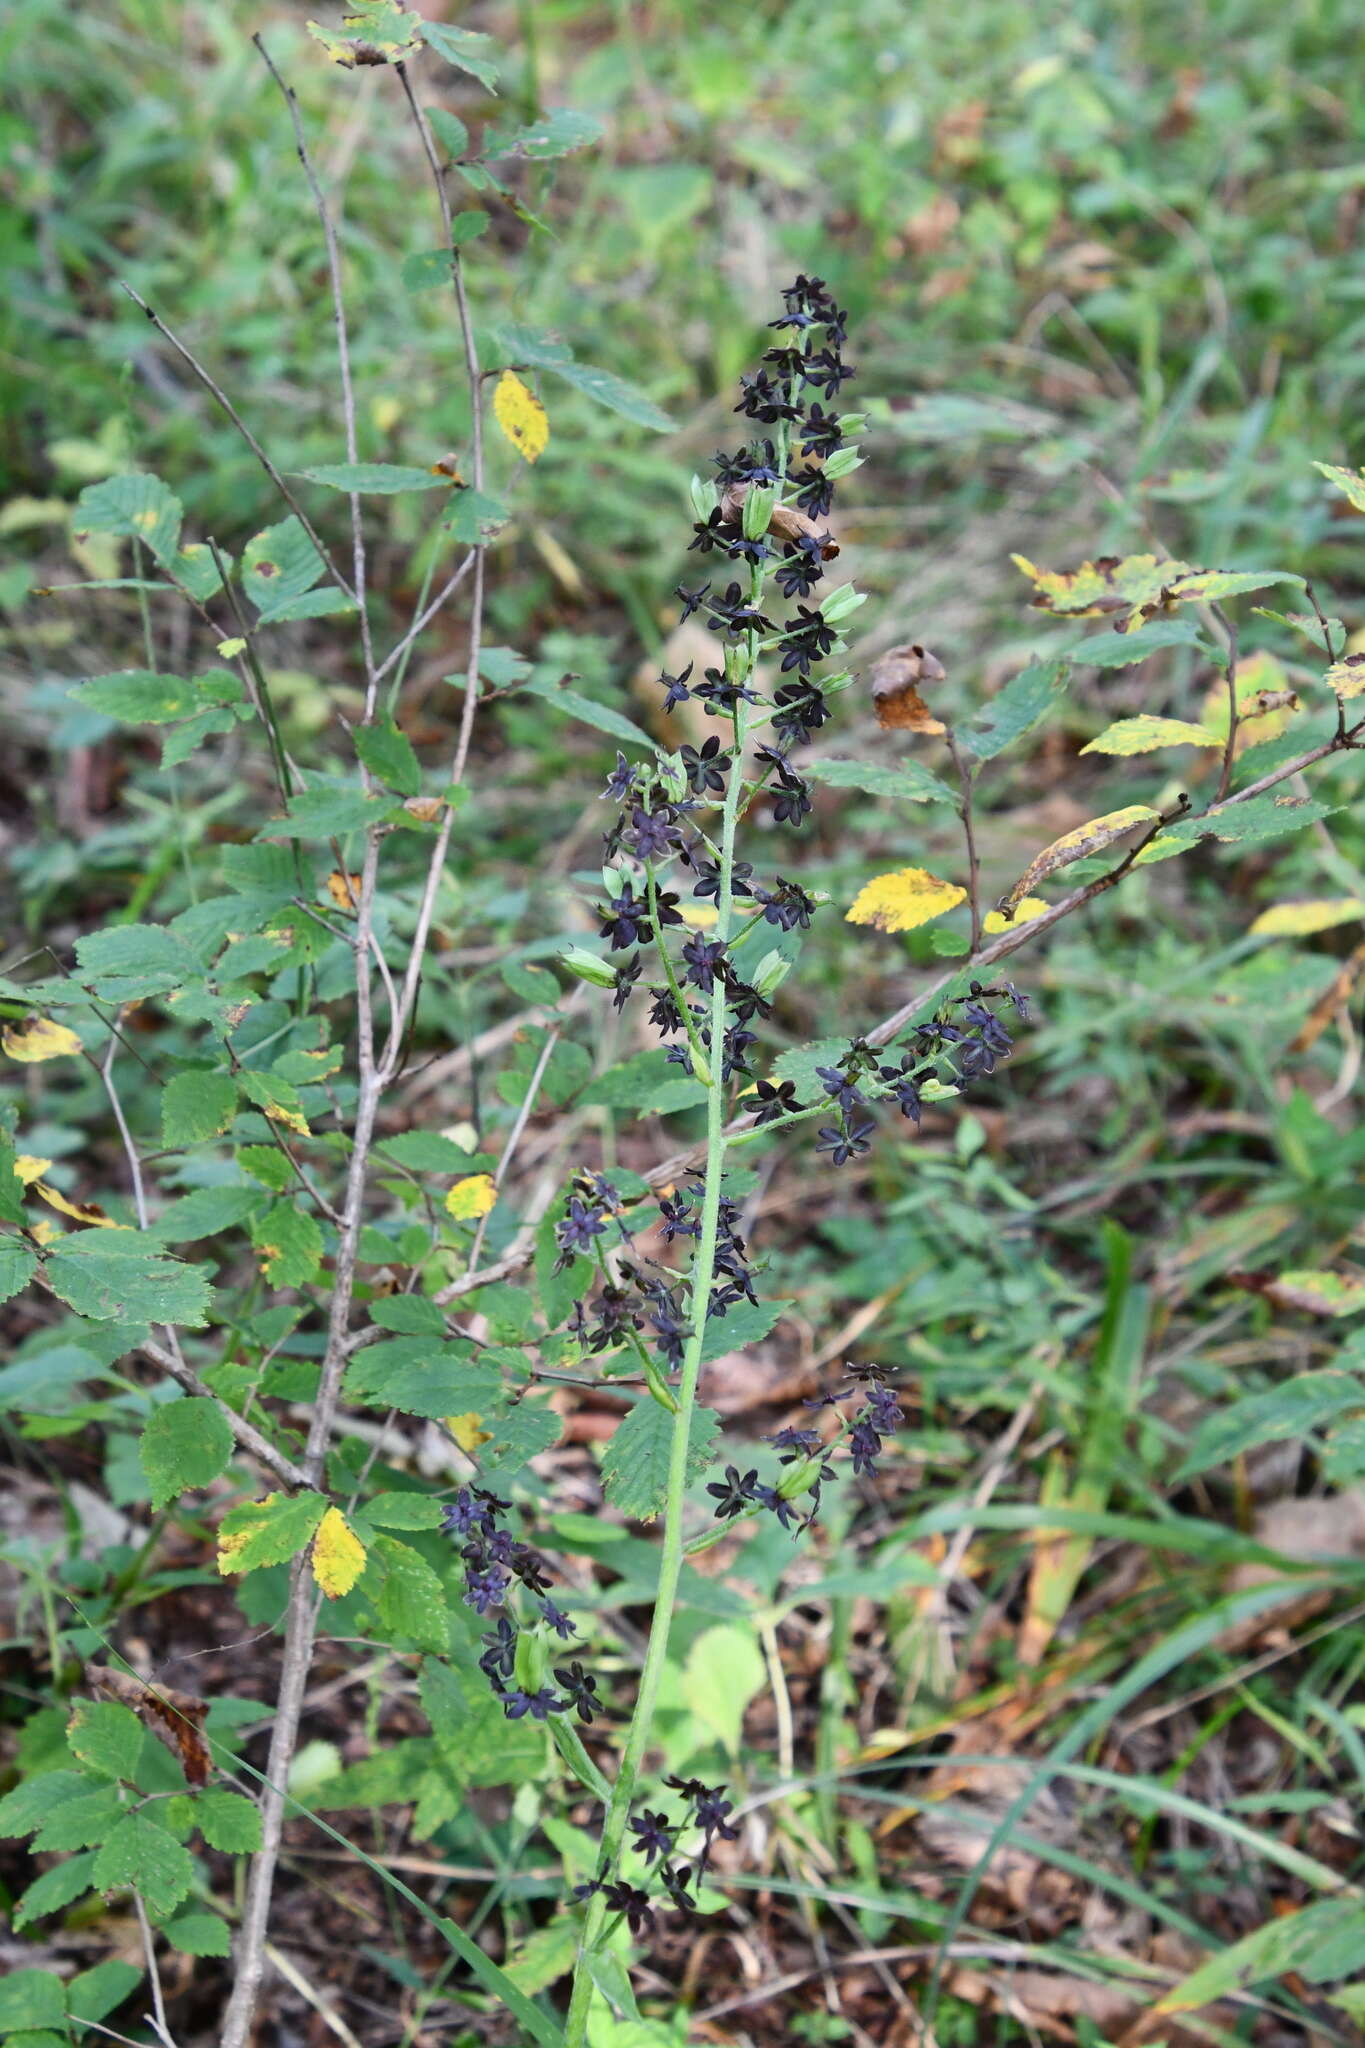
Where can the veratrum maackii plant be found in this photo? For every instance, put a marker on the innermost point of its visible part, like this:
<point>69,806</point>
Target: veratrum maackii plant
<point>246,1056</point>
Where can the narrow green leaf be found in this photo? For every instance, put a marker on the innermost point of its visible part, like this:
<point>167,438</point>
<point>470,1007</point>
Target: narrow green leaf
<point>379,479</point>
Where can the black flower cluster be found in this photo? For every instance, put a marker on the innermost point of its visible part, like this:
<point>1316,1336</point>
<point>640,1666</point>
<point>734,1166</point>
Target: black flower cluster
<point>809,1459</point>
<point>952,1053</point>
<point>494,1562</point>
<point>655,1838</point>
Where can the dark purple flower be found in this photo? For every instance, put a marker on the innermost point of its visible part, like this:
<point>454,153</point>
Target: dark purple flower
<point>485,1589</point>
<point>654,1836</point>
<point>539,1705</point>
<point>581,1688</point>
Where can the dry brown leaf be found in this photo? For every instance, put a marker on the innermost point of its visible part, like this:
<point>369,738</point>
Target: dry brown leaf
<point>175,1718</point>
<point>788,522</point>
<point>896,676</point>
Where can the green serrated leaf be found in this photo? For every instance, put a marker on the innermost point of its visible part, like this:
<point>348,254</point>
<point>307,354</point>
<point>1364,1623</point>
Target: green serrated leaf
<point>613,392</point>
<point>81,1822</point>
<point>137,697</point>
<point>411,1600</point>
<point>466,49</point>
<point>115,1275</point>
<point>635,1465</point>
<point>105,1738</point>
<point>328,811</point>
<point>32,1998</point>
<point>126,961</point>
<point>206,1211</point>
<point>269,1531</point>
<point>903,782</point>
<point>648,1081</point>
<point>278,566</point>
<point>473,518</point>
<point>136,506</point>
<point>140,1854</point>
<point>389,756</point>
<point>186,1444</point>
<point>93,1994</point>
<point>558,132</point>
<point>422,1376</point>
<point>743,1324</point>
<point>1014,711</point>
<point>196,1106</point>
<point>449,130</point>
<point>404,1511</point>
<point>602,716</point>
<point>199,1934</point>
<point>18,1264</point>
<point>408,1315</point>
<point>35,1799</point>
<point>58,1887</point>
<point>229,1822</point>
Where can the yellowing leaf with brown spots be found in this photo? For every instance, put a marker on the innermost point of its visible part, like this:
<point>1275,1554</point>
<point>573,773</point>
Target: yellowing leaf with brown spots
<point>1297,920</point>
<point>1107,585</point>
<point>1352,481</point>
<point>30,1168</point>
<point>468,1432</point>
<point>471,1197</point>
<point>38,1038</point>
<point>1347,677</point>
<point>230,1549</point>
<point>1091,837</point>
<point>338,1555</point>
<point>81,1212</point>
<point>903,899</point>
<point>521,416</point>
<point>1024,913</point>
<point>1142,735</point>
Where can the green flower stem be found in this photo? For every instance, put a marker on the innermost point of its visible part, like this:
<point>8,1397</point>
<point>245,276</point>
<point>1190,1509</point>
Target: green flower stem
<point>670,973</point>
<point>671,1552</point>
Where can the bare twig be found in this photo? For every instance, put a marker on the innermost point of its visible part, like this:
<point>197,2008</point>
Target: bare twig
<point>329,236</point>
<point>1234,712</point>
<point>216,392</point>
<point>246,1433</point>
<point>153,1973</point>
<point>965,779</point>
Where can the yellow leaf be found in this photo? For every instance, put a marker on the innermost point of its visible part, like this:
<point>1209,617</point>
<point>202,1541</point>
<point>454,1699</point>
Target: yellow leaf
<point>1142,735</point>
<point>903,899</point>
<point>1125,589</point>
<point>698,916</point>
<point>230,648</point>
<point>344,890</point>
<point>292,1119</point>
<point>1296,920</point>
<point>521,416</point>
<point>83,1212</point>
<point>471,1197</point>
<point>38,1038</point>
<point>1092,837</point>
<point>30,1169</point>
<point>1347,677</point>
<point>468,1432</point>
<point>230,1549</point>
<point>338,1555</point>
<point>1023,913</point>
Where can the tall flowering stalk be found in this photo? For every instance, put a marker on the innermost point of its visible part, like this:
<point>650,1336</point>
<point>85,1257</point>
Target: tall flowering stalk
<point>762,514</point>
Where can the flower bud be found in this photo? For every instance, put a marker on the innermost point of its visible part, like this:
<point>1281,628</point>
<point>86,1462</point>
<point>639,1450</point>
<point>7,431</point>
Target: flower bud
<point>699,1067</point>
<point>842,463</point>
<point>799,1479</point>
<point>840,603</point>
<point>771,972</point>
<point>758,510</point>
<point>588,967</point>
<point>852,423</point>
<point>531,1667</point>
<point>704,496</point>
